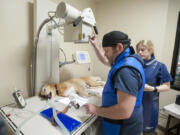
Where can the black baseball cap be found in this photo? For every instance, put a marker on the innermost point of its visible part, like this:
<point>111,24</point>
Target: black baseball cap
<point>112,38</point>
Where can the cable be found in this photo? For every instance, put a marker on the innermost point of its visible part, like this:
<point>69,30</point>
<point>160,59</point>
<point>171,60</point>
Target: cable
<point>26,120</point>
<point>51,49</point>
<point>64,63</point>
<point>54,12</point>
<point>63,54</point>
<point>61,26</point>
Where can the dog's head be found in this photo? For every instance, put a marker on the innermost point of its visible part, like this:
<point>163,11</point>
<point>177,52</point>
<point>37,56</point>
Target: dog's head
<point>48,91</point>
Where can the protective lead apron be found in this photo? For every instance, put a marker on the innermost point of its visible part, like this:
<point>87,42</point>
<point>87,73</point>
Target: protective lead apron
<point>151,99</point>
<point>108,99</point>
<point>109,96</point>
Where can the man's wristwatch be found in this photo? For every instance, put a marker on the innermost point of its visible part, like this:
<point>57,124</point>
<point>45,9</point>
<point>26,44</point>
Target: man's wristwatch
<point>155,89</point>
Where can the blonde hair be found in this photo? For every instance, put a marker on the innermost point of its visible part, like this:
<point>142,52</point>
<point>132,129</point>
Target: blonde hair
<point>146,43</point>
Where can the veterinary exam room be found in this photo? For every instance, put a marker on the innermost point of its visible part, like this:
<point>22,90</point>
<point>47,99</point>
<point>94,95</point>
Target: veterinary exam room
<point>90,67</point>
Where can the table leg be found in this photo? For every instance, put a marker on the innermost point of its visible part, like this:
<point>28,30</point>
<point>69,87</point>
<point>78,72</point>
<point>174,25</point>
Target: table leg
<point>178,129</point>
<point>167,125</point>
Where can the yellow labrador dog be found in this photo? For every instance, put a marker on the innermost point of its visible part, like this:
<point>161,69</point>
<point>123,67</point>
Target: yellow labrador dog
<point>76,85</point>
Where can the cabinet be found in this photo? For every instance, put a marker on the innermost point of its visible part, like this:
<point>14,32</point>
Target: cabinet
<point>175,67</point>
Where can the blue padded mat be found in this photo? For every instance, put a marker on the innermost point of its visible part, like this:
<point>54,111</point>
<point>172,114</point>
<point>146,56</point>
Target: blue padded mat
<point>70,123</point>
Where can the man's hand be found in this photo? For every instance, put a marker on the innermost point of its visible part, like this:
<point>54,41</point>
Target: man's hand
<point>93,40</point>
<point>90,108</point>
<point>99,52</point>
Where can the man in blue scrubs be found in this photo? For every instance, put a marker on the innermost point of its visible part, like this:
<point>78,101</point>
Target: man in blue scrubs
<point>121,109</point>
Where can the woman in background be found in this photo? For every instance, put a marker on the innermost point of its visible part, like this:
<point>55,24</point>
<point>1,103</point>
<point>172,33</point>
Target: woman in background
<point>157,80</point>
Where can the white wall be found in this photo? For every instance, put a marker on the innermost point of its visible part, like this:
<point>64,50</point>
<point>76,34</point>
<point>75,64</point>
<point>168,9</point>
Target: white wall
<point>16,40</point>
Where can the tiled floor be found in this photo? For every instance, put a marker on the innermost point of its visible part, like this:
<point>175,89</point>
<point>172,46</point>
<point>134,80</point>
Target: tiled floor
<point>160,132</point>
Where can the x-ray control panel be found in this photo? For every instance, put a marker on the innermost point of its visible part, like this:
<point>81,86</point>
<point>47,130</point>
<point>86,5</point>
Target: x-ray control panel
<point>82,57</point>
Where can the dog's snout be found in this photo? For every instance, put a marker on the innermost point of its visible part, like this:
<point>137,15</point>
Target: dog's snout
<point>49,96</point>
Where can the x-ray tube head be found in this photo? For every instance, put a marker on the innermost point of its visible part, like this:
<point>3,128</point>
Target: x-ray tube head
<point>67,12</point>
<point>78,24</point>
